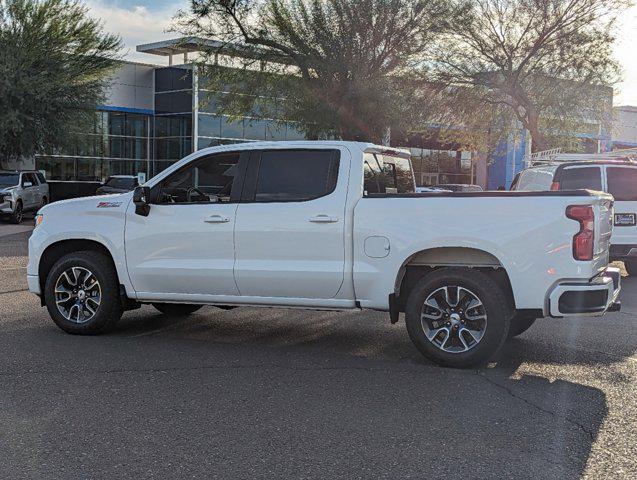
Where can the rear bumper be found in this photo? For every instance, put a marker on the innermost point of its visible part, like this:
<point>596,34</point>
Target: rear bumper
<point>623,252</point>
<point>594,297</point>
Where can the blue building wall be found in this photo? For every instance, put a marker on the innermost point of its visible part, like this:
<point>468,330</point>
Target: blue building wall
<point>506,160</point>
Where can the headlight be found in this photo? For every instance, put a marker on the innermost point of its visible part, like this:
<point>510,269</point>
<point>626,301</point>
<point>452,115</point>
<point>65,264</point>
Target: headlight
<point>39,218</point>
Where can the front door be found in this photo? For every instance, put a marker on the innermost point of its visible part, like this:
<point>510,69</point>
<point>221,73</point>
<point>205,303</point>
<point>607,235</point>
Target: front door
<point>184,248</point>
<point>29,187</point>
<point>290,229</point>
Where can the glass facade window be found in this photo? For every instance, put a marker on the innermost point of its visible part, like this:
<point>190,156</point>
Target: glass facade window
<point>254,129</point>
<point>172,78</point>
<point>294,131</point>
<point>275,130</point>
<point>209,125</point>
<point>173,102</point>
<point>231,128</point>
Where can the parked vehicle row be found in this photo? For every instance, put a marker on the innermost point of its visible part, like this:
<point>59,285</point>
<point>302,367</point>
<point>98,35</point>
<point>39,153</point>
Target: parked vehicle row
<point>327,225</point>
<point>20,192</point>
<point>617,177</point>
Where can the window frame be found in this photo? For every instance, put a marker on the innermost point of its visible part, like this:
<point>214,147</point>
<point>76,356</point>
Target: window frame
<point>252,174</point>
<point>237,184</point>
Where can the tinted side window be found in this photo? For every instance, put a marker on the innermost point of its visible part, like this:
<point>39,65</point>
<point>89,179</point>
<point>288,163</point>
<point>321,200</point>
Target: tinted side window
<point>622,183</point>
<point>581,178</point>
<point>385,174</point>
<point>206,180</point>
<point>29,177</point>
<point>296,175</point>
<point>41,177</point>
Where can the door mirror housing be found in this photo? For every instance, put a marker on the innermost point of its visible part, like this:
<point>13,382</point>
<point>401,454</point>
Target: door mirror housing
<point>141,199</point>
<point>27,184</point>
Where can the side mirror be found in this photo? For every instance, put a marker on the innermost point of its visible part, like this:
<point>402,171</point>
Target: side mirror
<point>27,184</point>
<point>141,199</point>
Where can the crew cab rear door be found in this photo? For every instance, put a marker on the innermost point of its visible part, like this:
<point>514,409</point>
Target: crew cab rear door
<point>621,183</point>
<point>290,227</point>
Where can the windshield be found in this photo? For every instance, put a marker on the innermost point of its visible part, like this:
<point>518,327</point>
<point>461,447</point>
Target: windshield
<point>9,179</point>
<point>121,182</point>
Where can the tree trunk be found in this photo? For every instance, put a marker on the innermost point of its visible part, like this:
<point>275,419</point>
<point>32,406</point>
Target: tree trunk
<point>538,140</point>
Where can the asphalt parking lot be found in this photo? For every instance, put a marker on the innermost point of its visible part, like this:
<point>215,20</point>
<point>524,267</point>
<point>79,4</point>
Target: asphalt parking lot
<point>273,393</point>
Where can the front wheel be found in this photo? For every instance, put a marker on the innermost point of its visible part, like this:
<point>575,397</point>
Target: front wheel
<point>18,213</point>
<point>457,317</point>
<point>82,293</point>
<point>176,309</point>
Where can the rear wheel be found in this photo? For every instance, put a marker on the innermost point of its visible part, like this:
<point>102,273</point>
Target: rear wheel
<point>631,267</point>
<point>82,293</point>
<point>177,309</point>
<point>457,317</point>
<point>44,202</point>
<point>18,213</point>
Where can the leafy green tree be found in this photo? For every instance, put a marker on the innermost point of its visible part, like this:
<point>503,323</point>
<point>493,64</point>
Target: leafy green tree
<point>546,63</point>
<point>341,67</point>
<point>53,73</point>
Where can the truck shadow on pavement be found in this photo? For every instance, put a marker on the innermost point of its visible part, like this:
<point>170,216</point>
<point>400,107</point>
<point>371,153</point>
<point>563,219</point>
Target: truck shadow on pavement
<point>497,421</point>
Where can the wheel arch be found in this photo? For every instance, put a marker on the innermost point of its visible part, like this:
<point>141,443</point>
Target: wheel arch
<point>56,250</point>
<point>427,260</point>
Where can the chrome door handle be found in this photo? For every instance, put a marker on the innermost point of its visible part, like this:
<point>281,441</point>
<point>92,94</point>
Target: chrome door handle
<point>216,219</point>
<point>323,219</point>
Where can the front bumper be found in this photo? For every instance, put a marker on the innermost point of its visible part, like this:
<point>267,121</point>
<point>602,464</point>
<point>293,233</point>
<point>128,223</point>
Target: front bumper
<point>6,207</point>
<point>594,297</point>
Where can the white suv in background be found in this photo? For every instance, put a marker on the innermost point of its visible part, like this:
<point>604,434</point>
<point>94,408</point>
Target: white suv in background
<point>619,178</point>
<point>22,191</point>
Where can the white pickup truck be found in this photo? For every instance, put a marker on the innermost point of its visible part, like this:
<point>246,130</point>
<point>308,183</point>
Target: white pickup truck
<point>327,225</point>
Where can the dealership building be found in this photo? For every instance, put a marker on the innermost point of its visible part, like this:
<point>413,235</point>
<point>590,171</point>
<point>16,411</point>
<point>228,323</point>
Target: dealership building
<point>155,115</point>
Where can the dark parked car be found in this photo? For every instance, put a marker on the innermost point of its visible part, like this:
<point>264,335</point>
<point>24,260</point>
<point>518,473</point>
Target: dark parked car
<point>118,184</point>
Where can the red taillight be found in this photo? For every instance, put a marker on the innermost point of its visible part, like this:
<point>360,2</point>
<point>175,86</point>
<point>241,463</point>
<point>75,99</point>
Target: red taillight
<point>555,186</point>
<point>583,240</point>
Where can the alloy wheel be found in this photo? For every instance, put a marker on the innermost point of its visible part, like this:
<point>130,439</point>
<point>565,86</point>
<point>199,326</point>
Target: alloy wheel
<point>78,294</point>
<point>454,319</point>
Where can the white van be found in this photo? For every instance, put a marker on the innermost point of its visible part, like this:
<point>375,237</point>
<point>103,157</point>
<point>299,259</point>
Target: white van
<point>617,177</point>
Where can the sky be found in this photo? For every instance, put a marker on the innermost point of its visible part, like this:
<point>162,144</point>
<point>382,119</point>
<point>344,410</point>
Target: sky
<point>146,21</point>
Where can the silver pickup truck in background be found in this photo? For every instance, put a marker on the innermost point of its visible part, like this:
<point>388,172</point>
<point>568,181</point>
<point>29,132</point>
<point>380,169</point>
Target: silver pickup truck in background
<point>22,191</point>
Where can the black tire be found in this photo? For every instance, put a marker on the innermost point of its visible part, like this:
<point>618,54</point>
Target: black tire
<point>44,202</point>
<point>493,301</point>
<point>177,309</point>
<point>519,324</point>
<point>110,308</point>
<point>18,213</point>
<point>631,267</point>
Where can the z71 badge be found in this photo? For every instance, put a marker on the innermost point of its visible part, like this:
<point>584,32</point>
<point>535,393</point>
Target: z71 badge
<point>109,204</point>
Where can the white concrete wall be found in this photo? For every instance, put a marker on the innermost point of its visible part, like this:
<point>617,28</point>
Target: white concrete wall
<point>625,125</point>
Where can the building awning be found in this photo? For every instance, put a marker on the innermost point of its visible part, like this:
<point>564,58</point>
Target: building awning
<point>185,45</point>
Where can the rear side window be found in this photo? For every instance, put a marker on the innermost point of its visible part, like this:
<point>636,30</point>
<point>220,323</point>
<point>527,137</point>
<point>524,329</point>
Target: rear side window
<point>580,178</point>
<point>296,175</point>
<point>622,183</point>
<point>40,177</point>
<point>387,174</point>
